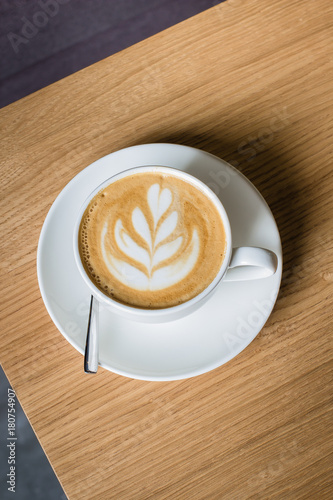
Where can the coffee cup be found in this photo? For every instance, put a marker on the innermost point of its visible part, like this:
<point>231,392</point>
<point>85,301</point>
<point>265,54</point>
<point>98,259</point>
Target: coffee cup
<point>152,244</point>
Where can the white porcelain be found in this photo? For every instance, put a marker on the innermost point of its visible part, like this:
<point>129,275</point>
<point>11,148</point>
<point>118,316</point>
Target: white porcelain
<point>197,343</point>
<point>254,262</point>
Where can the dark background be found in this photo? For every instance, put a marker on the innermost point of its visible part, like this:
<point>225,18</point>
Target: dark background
<point>42,41</point>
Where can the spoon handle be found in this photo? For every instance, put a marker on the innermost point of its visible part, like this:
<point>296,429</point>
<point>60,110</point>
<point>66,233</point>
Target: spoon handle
<point>91,351</point>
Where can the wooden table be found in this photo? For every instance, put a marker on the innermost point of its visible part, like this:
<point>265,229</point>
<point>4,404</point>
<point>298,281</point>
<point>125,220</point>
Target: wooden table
<point>251,82</point>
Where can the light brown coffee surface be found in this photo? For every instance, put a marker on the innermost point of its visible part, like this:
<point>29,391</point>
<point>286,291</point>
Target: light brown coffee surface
<point>151,240</point>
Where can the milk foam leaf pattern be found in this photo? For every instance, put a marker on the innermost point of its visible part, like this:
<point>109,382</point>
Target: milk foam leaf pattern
<point>166,251</point>
<point>166,228</point>
<point>123,271</point>
<point>130,248</point>
<point>141,226</point>
<point>141,268</point>
<point>167,276</point>
<point>158,201</point>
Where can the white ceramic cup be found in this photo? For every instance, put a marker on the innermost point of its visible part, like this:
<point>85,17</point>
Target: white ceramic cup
<point>239,264</point>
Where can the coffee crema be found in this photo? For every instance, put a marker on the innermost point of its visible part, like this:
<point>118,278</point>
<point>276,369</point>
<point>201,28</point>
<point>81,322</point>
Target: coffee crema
<point>151,240</point>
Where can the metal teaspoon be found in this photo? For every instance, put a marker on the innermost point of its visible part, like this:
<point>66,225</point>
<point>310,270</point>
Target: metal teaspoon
<point>91,350</point>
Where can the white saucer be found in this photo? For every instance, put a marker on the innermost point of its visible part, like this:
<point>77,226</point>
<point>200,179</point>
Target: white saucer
<point>202,341</point>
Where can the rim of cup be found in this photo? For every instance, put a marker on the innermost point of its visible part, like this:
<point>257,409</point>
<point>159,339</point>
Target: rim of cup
<point>137,311</point>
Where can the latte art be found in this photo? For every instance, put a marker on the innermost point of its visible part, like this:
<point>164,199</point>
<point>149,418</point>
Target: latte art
<point>151,240</point>
<point>164,259</point>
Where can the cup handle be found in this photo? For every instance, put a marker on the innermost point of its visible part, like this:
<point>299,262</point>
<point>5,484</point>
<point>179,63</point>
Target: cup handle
<point>248,263</point>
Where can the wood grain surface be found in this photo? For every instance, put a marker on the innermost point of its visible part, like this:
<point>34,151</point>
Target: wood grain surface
<point>251,82</point>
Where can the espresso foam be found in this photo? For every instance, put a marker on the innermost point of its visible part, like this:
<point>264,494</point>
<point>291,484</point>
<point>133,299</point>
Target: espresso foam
<point>151,240</point>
